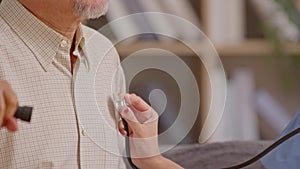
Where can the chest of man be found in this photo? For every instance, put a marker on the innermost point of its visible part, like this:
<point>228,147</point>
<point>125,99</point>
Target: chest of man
<point>57,136</point>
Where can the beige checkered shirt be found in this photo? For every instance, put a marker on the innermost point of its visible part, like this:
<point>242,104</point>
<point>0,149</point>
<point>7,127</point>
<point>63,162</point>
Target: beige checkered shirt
<point>36,61</point>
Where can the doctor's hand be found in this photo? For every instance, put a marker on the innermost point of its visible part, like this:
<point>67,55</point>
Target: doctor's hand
<point>141,118</point>
<point>143,129</point>
<point>8,106</point>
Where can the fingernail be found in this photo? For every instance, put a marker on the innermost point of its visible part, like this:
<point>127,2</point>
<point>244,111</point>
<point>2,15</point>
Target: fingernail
<point>126,111</point>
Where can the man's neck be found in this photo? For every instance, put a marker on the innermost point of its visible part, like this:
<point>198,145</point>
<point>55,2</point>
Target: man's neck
<point>56,14</point>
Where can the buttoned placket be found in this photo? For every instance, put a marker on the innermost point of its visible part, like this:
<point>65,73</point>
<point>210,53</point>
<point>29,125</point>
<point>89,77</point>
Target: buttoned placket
<point>78,63</point>
<point>81,61</point>
<point>64,63</point>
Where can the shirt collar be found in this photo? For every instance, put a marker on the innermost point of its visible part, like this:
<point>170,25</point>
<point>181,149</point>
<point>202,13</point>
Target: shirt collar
<point>43,41</point>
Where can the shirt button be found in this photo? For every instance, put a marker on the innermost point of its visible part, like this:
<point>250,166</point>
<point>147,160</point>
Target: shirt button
<point>63,44</point>
<point>76,53</point>
<point>83,132</point>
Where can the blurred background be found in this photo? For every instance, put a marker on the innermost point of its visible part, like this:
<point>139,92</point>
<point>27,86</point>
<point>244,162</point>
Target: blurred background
<point>258,44</point>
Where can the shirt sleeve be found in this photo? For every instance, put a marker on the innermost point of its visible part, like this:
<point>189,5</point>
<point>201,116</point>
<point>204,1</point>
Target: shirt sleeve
<point>286,155</point>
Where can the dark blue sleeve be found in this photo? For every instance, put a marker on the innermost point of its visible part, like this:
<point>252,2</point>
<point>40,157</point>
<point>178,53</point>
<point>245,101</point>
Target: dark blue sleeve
<point>286,155</point>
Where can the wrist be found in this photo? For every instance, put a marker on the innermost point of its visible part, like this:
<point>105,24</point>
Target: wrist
<point>144,148</point>
<point>148,162</point>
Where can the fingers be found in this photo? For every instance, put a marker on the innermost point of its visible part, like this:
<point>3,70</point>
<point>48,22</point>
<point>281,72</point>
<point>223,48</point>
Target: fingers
<point>128,115</point>
<point>8,106</point>
<point>2,107</point>
<point>12,124</point>
<point>122,128</point>
<point>139,116</point>
<point>137,103</point>
<point>11,103</point>
<point>142,111</point>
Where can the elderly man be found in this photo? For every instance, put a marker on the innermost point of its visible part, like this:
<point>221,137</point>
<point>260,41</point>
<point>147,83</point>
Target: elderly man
<point>42,48</point>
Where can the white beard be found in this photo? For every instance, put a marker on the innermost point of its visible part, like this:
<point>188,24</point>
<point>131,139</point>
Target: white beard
<point>88,11</point>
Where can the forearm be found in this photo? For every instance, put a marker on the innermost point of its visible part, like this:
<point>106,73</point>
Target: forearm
<point>157,162</point>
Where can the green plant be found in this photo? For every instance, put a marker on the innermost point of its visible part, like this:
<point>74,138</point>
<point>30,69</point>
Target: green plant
<point>289,63</point>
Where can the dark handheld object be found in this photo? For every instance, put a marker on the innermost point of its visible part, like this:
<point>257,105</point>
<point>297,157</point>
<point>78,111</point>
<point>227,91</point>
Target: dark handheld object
<point>24,113</point>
